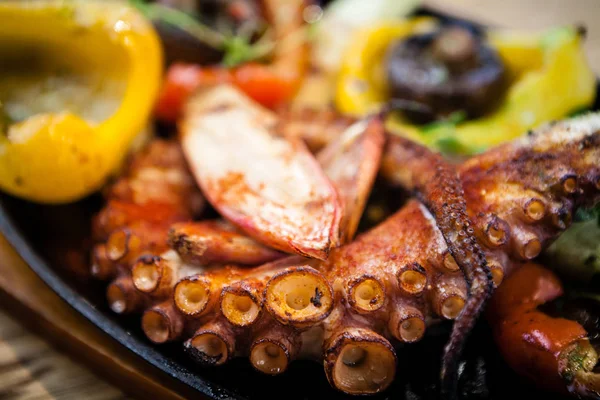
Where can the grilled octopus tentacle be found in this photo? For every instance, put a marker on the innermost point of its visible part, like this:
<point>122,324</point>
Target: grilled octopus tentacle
<point>387,285</point>
<point>521,195</point>
<point>217,241</point>
<point>156,191</point>
<point>437,185</point>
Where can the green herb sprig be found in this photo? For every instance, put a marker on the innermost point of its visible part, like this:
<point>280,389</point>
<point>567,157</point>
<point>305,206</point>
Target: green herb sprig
<point>442,134</point>
<point>587,214</point>
<point>449,122</point>
<point>237,49</point>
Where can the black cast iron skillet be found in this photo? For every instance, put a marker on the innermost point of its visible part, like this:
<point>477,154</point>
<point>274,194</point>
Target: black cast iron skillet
<point>42,235</point>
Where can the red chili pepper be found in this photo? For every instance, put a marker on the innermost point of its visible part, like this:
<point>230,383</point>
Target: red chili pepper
<point>534,344</point>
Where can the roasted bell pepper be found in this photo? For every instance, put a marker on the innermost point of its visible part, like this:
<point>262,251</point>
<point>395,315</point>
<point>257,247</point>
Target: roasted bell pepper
<point>77,84</point>
<point>555,353</point>
<point>266,84</point>
<point>549,78</point>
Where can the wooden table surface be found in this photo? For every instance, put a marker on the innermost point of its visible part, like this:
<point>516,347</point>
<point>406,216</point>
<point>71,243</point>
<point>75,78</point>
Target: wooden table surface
<point>30,368</point>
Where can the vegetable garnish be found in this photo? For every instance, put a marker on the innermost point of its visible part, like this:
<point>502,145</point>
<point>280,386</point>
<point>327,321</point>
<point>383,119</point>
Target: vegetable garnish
<point>272,83</point>
<point>576,254</point>
<point>548,74</point>
<point>269,86</point>
<point>588,214</point>
<point>68,116</point>
<point>237,48</point>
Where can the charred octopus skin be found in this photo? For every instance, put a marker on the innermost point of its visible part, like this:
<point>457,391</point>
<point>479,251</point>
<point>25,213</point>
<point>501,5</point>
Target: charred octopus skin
<point>433,259</point>
<point>449,70</point>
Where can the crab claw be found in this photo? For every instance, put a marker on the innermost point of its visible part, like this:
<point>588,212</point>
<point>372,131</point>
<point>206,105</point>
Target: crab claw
<point>269,186</point>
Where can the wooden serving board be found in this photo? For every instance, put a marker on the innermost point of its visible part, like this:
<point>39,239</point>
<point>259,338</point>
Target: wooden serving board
<point>32,302</point>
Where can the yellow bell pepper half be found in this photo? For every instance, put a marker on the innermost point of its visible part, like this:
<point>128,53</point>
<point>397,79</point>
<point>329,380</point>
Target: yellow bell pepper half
<point>549,76</point>
<point>77,84</point>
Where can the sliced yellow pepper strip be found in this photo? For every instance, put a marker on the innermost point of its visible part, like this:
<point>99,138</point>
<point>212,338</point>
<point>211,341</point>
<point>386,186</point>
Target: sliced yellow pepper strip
<point>550,78</point>
<point>565,83</point>
<point>90,75</point>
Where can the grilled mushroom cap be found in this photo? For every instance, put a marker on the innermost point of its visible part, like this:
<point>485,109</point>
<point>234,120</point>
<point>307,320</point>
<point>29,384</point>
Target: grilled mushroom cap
<point>449,70</point>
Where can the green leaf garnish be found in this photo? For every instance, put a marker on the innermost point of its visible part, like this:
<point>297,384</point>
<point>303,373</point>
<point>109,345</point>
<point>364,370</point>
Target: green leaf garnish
<point>449,122</point>
<point>237,49</point>
<point>181,20</point>
<point>587,214</point>
<point>435,127</point>
<point>450,145</point>
<point>457,117</point>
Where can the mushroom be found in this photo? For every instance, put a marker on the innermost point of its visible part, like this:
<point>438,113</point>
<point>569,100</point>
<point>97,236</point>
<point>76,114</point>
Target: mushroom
<point>449,70</point>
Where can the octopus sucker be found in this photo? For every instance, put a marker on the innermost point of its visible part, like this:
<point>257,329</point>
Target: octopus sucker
<point>122,296</point>
<point>157,275</point>
<point>533,210</point>
<point>193,294</point>
<point>152,275</point>
<point>162,323</point>
<point>125,245</point>
<point>569,184</point>
<point>212,344</point>
<point>359,361</point>
<point>269,356</point>
<point>412,278</point>
<point>407,323</point>
<point>497,271</point>
<point>121,242</point>
<point>134,223</point>
<point>299,296</point>
<point>242,302</point>
<point>448,261</point>
<point>525,243</point>
<point>366,293</point>
<point>517,166</point>
<point>102,268</point>
<point>449,295</point>
<point>561,217</point>
<point>496,231</point>
<point>274,347</point>
<point>281,276</point>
